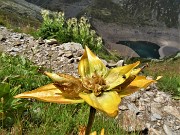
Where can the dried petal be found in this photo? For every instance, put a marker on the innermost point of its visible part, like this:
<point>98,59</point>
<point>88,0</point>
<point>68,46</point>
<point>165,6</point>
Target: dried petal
<point>48,93</point>
<point>56,78</point>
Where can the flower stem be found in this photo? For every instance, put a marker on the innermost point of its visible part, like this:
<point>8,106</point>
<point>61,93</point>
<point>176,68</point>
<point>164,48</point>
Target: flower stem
<point>91,120</point>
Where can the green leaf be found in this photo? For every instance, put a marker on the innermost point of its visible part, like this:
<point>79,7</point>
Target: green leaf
<point>4,89</point>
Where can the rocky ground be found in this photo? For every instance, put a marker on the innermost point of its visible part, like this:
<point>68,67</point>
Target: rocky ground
<point>149,111</point>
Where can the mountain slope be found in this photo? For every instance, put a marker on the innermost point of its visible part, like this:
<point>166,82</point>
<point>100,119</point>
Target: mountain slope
<point>19,12</point>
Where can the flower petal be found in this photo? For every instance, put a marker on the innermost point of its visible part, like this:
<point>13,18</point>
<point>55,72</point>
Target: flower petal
<point>158,78</point>
<point>138,83</point>
<point>117,76</point>
<point>95,133</point>
<point>108,102</point>
<point>90,63</point>
<point>136,71</point>
<point>69,85</point>
<point>48,93</point>
<point>55,77</point>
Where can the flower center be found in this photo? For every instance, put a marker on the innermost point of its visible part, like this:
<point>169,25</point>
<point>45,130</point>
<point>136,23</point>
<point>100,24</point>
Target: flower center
<point>95,84</point>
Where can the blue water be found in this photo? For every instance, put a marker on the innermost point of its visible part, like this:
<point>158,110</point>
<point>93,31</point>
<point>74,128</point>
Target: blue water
<point>144,49</point>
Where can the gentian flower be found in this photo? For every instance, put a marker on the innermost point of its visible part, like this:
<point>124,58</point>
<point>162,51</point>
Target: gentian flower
<point>98,86</point>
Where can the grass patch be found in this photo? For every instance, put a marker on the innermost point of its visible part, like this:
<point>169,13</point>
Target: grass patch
<point>21,26</point>
<point>170,70</point>
<point>19,71</point>
<point>67,119</point>
<point>18,22</point>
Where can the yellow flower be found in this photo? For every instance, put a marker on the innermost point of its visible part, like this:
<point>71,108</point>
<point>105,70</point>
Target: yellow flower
<point>95,133</point>
<point>82,131</point>
<point>98,86</point>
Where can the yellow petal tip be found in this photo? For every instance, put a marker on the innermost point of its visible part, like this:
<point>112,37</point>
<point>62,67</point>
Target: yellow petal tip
<point>55,77</point>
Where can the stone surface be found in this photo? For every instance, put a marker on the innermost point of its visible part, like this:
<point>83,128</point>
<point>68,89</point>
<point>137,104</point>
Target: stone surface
<point>51,41</point>
<point>173,111</point>
<point>167,130</point>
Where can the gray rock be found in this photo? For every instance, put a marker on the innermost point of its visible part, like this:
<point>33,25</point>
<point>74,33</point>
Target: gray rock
<point>167,130</point>
<point>156,110</point>
<point>159,99</point>
<point>133,97</point>
<point>71,46</point>
<point>155,117</point>
<point>15,49</point>
<point>153,131</point>
<point>40,41</point>
<point>123,107</point>
<point>51,41</point>
<point>17,43</point>
<point>150,93</point>
<point>120,63</point>
<point>177,127</point>
<point>2,38</point>
<point>60,52</point>
<point>172,110</point>
<point>130,122</point>
<point>68,54</point>
<point>133,108</point>
<point>142,106</point>
<point>79,53</point>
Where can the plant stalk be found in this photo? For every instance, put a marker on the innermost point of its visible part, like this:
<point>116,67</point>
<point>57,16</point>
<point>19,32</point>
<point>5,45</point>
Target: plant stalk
<point>90,120</point>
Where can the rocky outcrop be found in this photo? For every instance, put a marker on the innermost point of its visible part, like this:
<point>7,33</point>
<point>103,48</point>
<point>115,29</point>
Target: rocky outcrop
<point>48,53</point>
<point>148,111</point>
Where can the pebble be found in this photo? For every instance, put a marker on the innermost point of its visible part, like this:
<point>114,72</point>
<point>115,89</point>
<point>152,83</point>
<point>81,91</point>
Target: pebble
<point>51,41</point>
<point>155,117</point>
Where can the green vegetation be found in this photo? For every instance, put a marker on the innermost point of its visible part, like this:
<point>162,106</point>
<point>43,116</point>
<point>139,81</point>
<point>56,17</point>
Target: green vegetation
<point>170,70</point>
<point>17,20</point>
<point>136,13</point>
<point>18,23</point>
<point>56,26</point>
<point>10,108</point>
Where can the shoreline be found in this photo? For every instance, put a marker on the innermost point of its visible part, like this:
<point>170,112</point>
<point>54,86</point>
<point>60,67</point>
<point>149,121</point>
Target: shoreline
<point>165,38</point>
